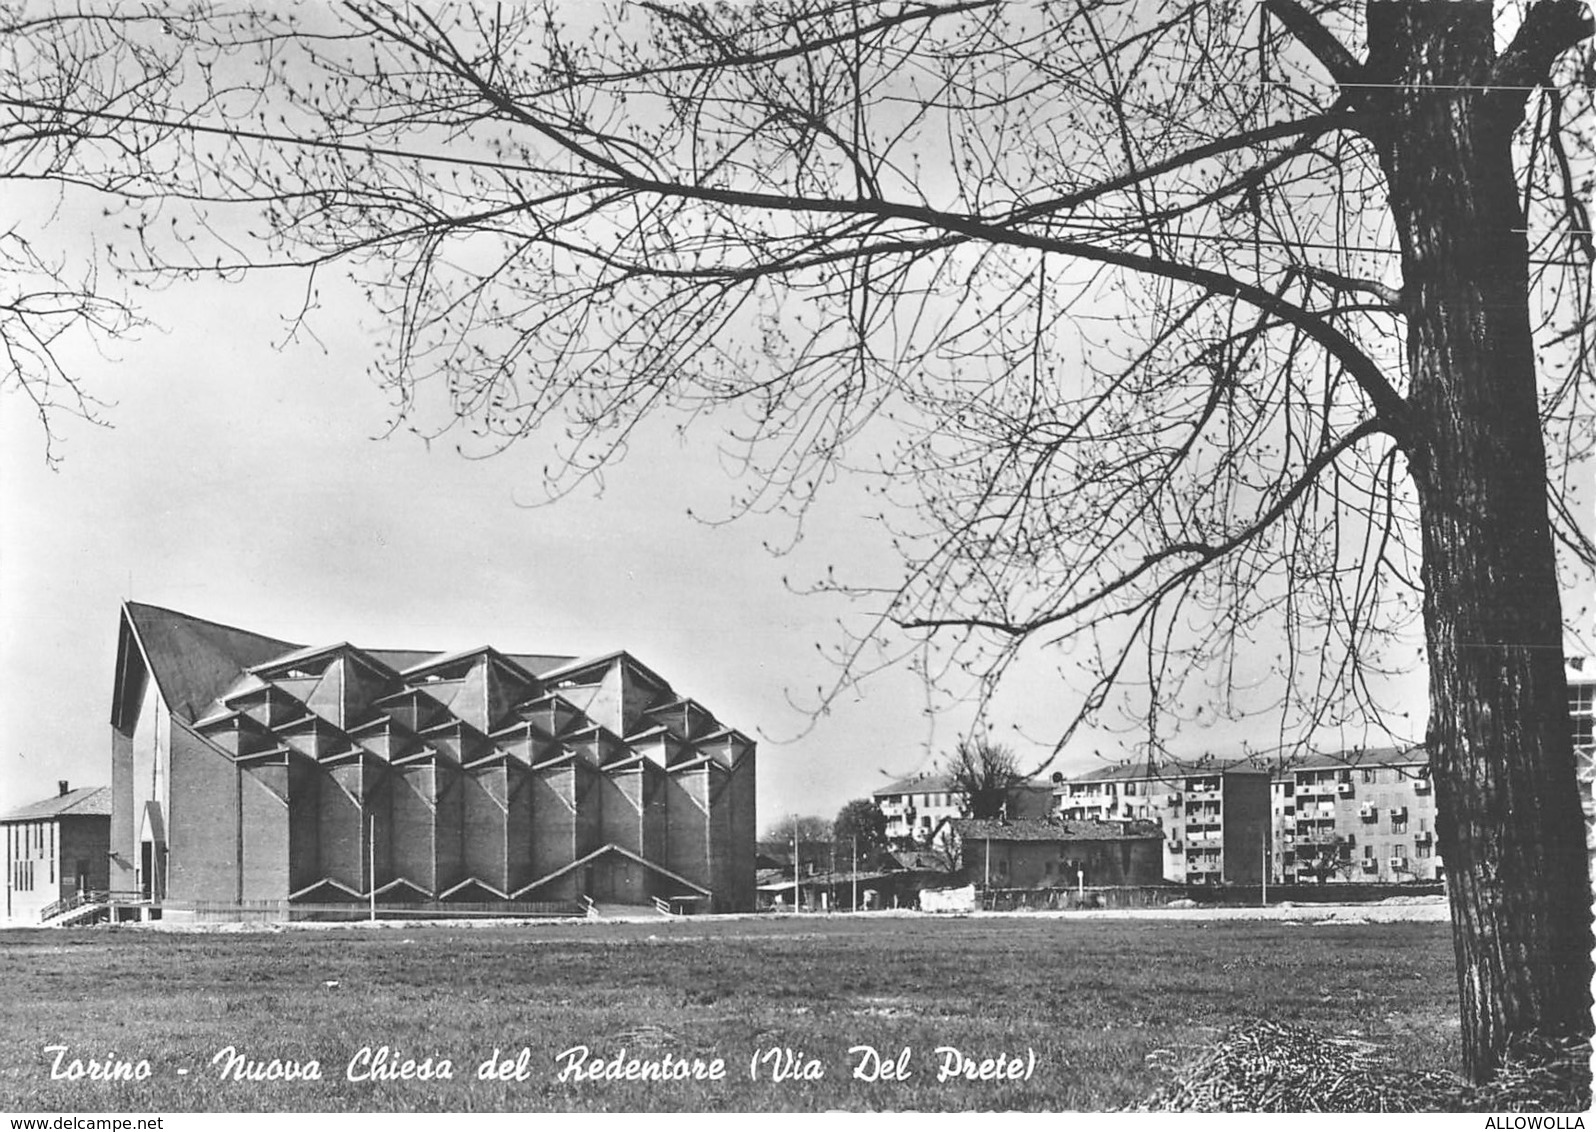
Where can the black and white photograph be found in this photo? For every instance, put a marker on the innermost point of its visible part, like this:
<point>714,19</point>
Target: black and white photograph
<point>988,556</point>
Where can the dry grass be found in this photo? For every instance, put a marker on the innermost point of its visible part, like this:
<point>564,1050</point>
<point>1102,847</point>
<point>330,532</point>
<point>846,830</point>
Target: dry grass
<point>1263,1066</point>
<point>1094,999</point>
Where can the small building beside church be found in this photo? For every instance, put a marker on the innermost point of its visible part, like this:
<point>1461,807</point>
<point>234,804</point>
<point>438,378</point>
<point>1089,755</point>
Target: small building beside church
<point>55,849</point>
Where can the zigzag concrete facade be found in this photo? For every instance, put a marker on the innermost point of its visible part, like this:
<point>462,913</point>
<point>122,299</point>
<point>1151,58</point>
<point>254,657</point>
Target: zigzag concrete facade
<point>249,769</point>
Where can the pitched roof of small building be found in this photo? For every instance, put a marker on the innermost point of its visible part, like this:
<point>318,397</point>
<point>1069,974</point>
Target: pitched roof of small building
<point>86,801</point>
<point>917,784</point>
<point>1056,829</point>
<point>916,859</point>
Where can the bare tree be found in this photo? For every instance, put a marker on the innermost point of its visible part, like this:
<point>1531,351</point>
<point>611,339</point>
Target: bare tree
<point>1185,340</point>
<point>985,775</point>
<point>807,829</point>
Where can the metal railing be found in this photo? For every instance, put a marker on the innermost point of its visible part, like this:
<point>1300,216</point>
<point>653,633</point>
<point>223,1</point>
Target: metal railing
<point>82,899</point>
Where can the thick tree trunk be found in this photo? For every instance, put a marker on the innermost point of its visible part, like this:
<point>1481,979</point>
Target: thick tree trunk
<point>1510,825</point>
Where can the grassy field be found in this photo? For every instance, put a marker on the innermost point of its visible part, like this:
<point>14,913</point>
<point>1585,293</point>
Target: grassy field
<point>1092,1000</point>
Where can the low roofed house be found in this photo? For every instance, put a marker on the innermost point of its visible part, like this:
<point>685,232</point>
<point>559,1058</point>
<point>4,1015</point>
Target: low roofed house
<point>1058,852</point>
<point>55,849</point>
<point>246,768</point>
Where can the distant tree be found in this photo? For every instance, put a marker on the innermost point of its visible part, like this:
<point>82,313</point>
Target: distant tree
<point>810,829</point>
<point>1323,865</point>
<point>985,775</point>
<point>946,847</point>
<point>813,841</point>
<point>863,819</point>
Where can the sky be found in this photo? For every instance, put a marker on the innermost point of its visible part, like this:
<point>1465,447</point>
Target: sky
<point>244,484</point>
<point>247,483</point>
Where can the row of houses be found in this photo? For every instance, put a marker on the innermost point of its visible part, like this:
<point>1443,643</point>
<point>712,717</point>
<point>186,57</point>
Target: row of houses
<point>1361,815</point>
<point>1352,816</point>
<point>246,769</point>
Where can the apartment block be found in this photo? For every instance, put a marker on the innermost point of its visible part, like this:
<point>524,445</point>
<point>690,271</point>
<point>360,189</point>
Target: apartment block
<point>1361,815</point>
<point>1215,817</point>
<point>1581,673</point>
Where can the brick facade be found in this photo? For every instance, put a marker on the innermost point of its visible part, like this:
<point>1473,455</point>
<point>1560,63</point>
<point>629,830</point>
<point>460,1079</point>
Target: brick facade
<point>246,768</point>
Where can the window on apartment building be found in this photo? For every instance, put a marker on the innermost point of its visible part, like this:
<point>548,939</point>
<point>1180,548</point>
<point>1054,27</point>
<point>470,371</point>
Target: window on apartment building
<point>1130,788</point>
<point>1581,705</point>
<point>1370,774</point>
<point>1399,821</point>
<point>1422,851</point>
<point>1583,721</point>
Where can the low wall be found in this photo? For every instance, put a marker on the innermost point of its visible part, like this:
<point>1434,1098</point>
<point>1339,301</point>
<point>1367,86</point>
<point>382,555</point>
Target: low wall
<point>1159,895</point>
<point>278,911</point>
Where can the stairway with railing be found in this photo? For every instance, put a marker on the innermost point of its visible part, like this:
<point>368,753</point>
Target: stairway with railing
<point>88,907</point>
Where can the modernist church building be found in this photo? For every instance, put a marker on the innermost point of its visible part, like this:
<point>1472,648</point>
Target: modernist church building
<point>245,768</point>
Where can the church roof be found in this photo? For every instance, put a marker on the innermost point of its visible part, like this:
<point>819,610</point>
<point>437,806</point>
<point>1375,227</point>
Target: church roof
<point>294,693</point>
<point>194,660</point>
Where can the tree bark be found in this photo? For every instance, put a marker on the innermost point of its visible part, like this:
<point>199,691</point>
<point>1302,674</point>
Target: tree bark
<point>1511,829</point>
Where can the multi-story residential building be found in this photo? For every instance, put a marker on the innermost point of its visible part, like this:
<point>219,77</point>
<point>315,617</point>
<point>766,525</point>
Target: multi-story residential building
<point>1355,816</point>
<point>918,806</point>
<point>1215,818</point>
<point>56,848</point>
<point>1581,673</point>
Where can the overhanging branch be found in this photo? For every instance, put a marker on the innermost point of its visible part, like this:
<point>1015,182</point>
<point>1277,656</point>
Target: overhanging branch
<point>1313,35</point>
<point>1550,28</point>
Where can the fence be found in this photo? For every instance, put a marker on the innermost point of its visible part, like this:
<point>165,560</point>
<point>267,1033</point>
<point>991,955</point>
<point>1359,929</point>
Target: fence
<point>1054,899</point>
<point>277,911</point>
<point>1160,895</point>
